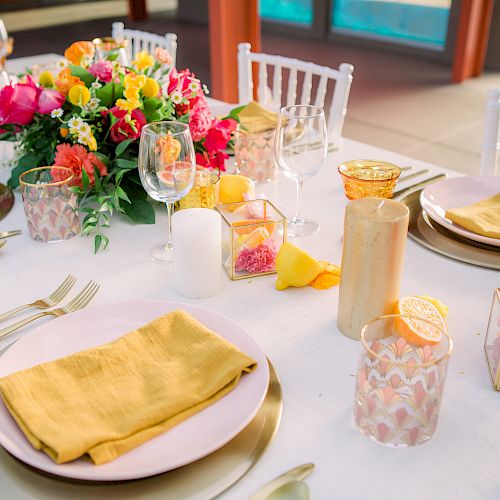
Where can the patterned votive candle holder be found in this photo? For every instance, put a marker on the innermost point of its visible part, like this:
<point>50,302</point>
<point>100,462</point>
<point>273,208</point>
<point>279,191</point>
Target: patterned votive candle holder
<point>363,178</point>
<point>49,204</point>
<point>252,233</point>
<point>205,191</point>
<point>399,385</point>
<point>254,155</point>
<point>492,341</point>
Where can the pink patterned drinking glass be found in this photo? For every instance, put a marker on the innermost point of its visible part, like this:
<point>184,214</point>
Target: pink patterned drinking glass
<point>49,204</point>
<point>399,385</point>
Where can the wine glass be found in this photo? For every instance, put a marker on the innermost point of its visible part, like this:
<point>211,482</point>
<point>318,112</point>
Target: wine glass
<point>167,166</point>
<point>6,45</point>
<point>301,148</point>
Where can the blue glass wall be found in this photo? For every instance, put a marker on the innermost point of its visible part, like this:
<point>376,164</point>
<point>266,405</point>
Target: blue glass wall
<point>295,11</point>
<point>421,21</point>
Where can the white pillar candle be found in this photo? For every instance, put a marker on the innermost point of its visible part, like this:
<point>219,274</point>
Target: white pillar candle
<point>375,232</point>
<point>196,234</point>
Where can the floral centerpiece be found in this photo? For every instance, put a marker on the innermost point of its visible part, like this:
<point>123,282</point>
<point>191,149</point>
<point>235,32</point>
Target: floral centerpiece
<point>88,115</point>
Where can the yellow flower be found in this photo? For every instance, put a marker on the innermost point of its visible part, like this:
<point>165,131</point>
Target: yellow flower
<point>79,95</point>
<point>128,105</point>
<point>151,88</point>
<point>143,60</point>
<point>133,80</point>
<point>46,79</point>
<point>131,93</point>
<point>92,143</point>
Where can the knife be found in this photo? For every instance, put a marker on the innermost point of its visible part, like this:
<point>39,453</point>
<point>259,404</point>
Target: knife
<point>399,192</point>
<point>295,474</point>
<point>8,234</point>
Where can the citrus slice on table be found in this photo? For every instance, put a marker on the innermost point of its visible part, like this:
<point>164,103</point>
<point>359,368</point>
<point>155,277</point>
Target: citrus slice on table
<point>418,332</point>
<point>233,187</point>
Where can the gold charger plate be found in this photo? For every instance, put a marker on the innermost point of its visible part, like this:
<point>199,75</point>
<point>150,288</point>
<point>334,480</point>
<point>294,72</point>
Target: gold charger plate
<point>201,480</point>
<point>438,239</point>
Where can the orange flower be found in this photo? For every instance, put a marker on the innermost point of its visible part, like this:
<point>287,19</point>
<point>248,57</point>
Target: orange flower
<point>77,51</point>
<point>65,81</point>
<point>330,276</point>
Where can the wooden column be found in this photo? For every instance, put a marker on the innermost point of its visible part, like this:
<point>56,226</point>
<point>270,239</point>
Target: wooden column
<point>230,22</point>
<point>137,10</point>
<point>472,38</point>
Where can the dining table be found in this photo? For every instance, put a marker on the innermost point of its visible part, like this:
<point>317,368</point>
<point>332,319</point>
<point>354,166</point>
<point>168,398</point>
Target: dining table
<point>297,329</point>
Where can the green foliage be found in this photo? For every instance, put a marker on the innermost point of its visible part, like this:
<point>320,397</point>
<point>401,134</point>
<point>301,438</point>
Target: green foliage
<point>86,77</point>
<point>109,93</point>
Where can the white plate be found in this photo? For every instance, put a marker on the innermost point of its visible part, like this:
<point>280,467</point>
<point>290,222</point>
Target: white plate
<point>437,198</point>
<point>194,438</point>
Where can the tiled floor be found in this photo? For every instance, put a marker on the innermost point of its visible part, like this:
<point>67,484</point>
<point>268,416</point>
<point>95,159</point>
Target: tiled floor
<point>400,103</point>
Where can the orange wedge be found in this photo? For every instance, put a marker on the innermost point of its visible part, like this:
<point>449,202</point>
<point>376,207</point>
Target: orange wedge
<point>417,332</point>
<point>246,226</point>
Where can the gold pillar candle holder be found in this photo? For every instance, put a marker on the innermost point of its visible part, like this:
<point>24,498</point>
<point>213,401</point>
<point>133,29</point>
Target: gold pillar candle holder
<point>492,341</point>
<point>205,191</point>
<point>252,233</point>
<point>368,178</point>
<point>254,155</point>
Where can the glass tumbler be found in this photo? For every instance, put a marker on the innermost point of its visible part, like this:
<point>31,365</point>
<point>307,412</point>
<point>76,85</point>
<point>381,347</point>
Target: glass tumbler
<point>49,204</point>
<point>399,385</point>
<point>254,155</point>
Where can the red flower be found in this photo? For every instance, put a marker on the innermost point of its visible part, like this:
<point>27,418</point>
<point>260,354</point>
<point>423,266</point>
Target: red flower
<point>18,103</point>
<point>76,158</point>
<point>219,135</point>
<point>212,160</point>
<point>200,121</point>
<point>127,127</point>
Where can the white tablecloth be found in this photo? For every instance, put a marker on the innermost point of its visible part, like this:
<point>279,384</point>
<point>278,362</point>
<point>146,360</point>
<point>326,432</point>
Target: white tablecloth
<point>316,364</point>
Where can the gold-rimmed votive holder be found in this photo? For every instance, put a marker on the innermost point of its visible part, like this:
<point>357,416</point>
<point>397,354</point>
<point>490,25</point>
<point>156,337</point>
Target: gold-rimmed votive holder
<point>368,178</point>
<point>492,340</point>
<point>49,204</point>
<point>205,190</point>
<point>252,234</point>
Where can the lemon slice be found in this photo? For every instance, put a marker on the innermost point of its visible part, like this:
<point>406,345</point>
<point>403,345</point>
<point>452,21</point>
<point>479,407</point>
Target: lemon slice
<point>418,332</point>
<point>233,187</point>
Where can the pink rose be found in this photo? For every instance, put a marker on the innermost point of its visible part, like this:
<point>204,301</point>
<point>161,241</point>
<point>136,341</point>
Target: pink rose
<point>126,129</point>
<point>200,121</point>
<point>102,70</point>
<point>219,135</point>
<point>49,100</point>
<point>163,56</point>
<point>18,103</point>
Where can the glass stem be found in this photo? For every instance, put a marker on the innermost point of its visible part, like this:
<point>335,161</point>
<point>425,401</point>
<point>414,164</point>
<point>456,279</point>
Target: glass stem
<point>169,245</point>
<point>298,218</point>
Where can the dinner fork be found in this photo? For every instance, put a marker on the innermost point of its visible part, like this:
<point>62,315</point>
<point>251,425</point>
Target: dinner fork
<point>52,300</point>
<point>79,302</point>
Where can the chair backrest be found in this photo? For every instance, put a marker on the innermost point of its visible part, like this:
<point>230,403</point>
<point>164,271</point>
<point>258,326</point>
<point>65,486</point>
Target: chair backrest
<point>272,95</point>
<point>142,40</point>
<point>490,155</point>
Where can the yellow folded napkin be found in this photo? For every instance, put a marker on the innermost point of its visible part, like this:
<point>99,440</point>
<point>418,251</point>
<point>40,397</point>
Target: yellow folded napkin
<point>482,217</point>
<point>254,118</point>
<point>104,401</point>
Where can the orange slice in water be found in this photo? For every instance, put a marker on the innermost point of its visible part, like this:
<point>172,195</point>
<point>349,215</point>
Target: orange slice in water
<point>246,226</point>
<point>418,332</point>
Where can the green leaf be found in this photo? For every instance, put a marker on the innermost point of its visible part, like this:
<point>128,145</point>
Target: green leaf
<point>85,180</point>
<point>128,164</point>
<point>120,149</point>
<point>97,242</point>
<point>140,211</point>
<point>109,93</point>
<point>24,163</point>
<point>121,194</point>
<point>86,77</point>
<point>102,157</point>
<point>151,105</point>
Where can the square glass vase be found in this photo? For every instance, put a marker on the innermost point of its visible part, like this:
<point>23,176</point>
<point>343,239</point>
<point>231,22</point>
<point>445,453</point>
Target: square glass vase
<point>492,341</point>
<point>252,234</point>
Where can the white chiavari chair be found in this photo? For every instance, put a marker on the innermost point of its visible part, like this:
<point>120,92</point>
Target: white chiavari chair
<point>490,155</point>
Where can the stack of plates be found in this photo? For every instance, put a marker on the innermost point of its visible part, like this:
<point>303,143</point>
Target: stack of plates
<point>430,227</point>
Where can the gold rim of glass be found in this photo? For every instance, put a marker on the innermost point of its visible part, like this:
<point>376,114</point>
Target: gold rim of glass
<point>317,111</point>
<point>401,363</point>
<point>45,184</point>
<point>394,177</point>
<point>148,129</point>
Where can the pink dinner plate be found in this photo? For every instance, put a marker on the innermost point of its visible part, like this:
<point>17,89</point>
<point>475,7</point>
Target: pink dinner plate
<point>191,440</point>
<point>457,192</point>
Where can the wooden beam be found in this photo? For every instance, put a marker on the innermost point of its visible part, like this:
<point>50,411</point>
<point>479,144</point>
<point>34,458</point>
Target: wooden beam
<point>230,22</point>
<point>137,10</point>
<point>472,39</point>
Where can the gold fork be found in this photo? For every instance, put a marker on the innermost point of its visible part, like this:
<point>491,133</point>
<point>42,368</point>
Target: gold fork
<point>79,302</point>
<point>52,300</point>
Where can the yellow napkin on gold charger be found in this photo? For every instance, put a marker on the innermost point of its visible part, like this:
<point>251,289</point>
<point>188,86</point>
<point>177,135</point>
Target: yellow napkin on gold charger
<point>109,399</point>
<point>254,118</point>
<point>482,217</point>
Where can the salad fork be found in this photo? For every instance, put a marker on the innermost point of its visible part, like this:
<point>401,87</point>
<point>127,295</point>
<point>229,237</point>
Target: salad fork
<point>79,302</point>
<point>52,300</point>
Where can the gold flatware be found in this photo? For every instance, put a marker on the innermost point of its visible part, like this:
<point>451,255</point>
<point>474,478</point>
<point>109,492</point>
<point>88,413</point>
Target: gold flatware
<point>399,192</point>
<point>413,175</point>
<point>79,302</point>
<point>6,200</point>
<point>294,475</point>
<point>8,234</point>
<point>52,300</point>
<point>2,243</point>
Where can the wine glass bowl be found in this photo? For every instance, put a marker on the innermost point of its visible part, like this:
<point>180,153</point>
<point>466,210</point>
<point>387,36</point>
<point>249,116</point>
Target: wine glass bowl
<point>167,168</point>
<point>301,149</point>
